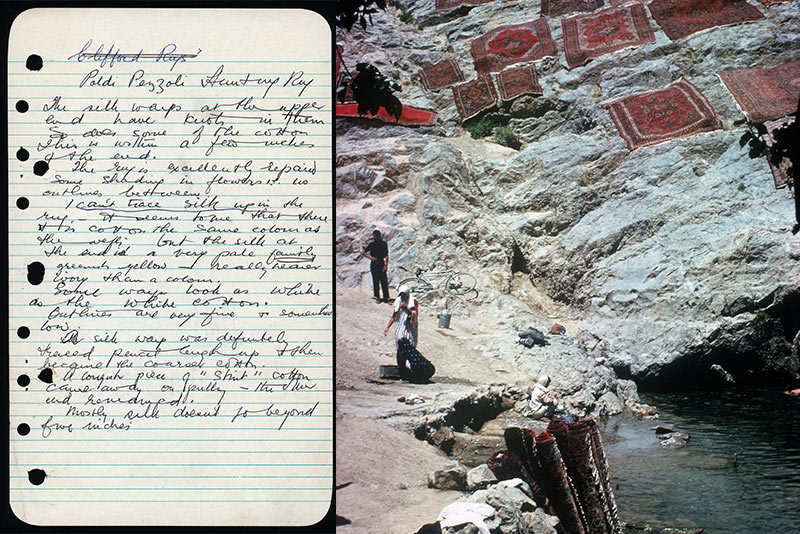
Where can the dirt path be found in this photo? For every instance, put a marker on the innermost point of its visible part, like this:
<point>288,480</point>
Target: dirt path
<point>382,467</point>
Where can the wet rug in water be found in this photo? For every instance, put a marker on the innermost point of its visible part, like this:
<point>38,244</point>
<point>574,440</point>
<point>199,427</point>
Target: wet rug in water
<point>680,18</point>
<point>518,81</point>
<point>649,118</point>
<point>591,36</point>
<point>765,94</point>
<point>441,75</point>
<point>511,44</point>
<point>446,5</point>
<point>556,8</point>
<point>474,96</point>
<point>410,116</point>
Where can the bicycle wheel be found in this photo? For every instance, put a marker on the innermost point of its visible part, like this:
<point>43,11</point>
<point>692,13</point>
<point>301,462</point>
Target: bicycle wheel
<point>461,283</point>
<point>416,286</point>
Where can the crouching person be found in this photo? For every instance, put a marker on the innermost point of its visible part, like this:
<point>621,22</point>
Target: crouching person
<point>413,365</point>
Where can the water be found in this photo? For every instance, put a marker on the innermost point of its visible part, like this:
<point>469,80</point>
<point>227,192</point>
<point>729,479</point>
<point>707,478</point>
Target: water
<point>697,485</point>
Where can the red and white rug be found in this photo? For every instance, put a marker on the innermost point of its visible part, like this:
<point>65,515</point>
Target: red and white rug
<point>511,44</point>
<point>681,18</point>
<point>440,75</point>
<point>765,94</point>
<point>653,117</point>
<point>590,36</point>
<point>518,81</point>
<point>474,96</point>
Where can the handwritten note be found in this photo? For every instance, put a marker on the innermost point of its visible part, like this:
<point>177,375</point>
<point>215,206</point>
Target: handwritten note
<point>170,267</point>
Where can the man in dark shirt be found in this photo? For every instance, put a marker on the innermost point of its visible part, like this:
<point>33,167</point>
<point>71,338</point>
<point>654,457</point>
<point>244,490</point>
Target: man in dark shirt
<point>377,251</point>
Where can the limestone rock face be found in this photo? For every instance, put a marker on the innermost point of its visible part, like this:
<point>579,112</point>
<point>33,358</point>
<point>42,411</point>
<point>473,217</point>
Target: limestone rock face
<point>673,263</point>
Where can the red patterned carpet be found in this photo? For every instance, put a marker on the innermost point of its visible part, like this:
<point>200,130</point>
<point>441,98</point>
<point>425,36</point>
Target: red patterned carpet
<point>765,94</point>
<point>556,8</point>
<point>410,116</point>
<point>474,96</point>
<point>650,118</point>
<point>597,34</point>
<point>446,5</point>
<point>441,75</point>
<point>770,2</point>
<point>518,81</point>
<point>511,44</point>
<point>680,18</point>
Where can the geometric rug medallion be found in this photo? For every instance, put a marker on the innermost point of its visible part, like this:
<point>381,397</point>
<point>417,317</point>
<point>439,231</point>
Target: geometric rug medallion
<point>653,117</point>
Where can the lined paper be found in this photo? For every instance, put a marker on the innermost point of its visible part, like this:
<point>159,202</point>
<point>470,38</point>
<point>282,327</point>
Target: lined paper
<point>170,230</point>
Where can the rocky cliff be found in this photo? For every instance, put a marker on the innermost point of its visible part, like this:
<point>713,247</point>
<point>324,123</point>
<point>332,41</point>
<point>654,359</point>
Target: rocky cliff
<point>675,262</point>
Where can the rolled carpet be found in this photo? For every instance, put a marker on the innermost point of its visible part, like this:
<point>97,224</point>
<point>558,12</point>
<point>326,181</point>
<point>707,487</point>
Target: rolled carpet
<point>586,476</point>
<point>600,460</point>
<point>556,485</point>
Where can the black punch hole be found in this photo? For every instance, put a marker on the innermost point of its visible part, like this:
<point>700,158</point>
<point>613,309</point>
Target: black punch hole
<point>23,154</point>
<point>40,167</point>
<point>23,429</point>
<point>23,380</point>
<point>22,106</point>
<point>46,376</point>
<point>36,476</point>
<point>35,273</point>
<point>22,203</point>
<point>23,332</point>
<point>34,62</point>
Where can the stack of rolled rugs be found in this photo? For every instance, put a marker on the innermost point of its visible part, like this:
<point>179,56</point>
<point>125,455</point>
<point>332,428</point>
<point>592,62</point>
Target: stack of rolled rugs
<point>567,469</point>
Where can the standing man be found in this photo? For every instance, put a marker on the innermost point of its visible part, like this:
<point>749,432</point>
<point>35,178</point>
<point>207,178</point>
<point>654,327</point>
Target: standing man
<point>377,252</point>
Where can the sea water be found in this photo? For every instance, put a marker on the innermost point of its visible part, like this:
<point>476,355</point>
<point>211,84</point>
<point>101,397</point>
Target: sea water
<point>700,485</point>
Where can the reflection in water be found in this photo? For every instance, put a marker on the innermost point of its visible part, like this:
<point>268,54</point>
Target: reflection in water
<point>698,485</point>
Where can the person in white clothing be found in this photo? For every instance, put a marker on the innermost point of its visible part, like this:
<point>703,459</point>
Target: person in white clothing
<point>405,316</point>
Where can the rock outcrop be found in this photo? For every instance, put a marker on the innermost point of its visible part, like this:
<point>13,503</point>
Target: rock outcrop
<point>675,263</point>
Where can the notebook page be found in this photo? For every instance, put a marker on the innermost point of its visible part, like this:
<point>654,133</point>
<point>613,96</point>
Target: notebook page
<point>170,257</point>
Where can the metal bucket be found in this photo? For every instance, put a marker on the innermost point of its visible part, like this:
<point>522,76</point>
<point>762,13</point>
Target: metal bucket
<point>444,319</point>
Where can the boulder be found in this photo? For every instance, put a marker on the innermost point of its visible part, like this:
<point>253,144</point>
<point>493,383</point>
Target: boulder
<point>451,476</point>
<point>480,477</point>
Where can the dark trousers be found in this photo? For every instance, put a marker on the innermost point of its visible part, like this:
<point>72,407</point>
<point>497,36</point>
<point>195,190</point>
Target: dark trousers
<point>379,279</point>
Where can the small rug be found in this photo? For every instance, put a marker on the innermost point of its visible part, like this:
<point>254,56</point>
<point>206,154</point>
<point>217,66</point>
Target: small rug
<point>511,44</point>
<point>518,81</point>
<point>653,117</point>
<point>474,96</point>
<point>410,116</point>
<point>765,94</point>
<point>680,18</point>
<point>779,172</point>
<point>556,8</point>
<point>441,75</point>
<point>446,5</point>
<point>590,36</point>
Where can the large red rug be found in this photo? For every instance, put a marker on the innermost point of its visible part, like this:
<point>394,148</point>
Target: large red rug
<point>446,5</point>
<point>441,75</point>
<point>649,118</point>
<point>556,8</point>
<point>474,96</point>
<point>680,18</point>
<point>410,116</point>
<point>513,43</point>
<point>765,94</point>
<point>518,81</point>
<point>597,34</point>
